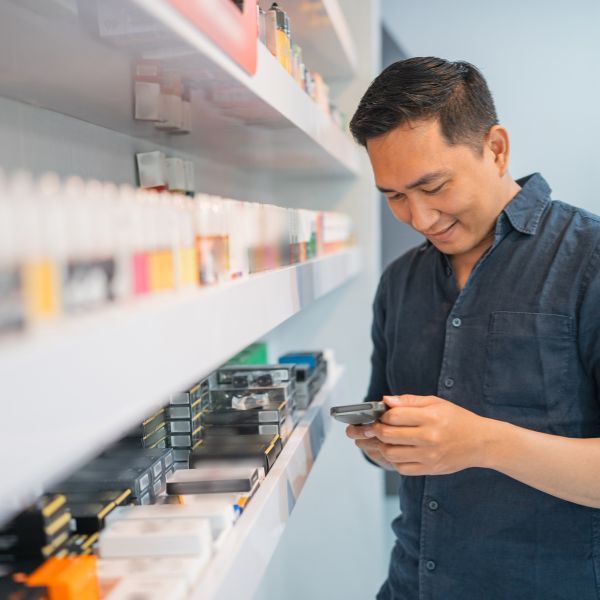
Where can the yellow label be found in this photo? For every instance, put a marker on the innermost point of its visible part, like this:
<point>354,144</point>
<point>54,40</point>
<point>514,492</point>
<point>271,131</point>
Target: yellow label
<point>53,506</point>
<point>122,497</point>
<point>90,540</point>
<point>189,266</point>
<point>58,524</point>
<point>283,53</point>
<point>272,444</point>
<point>41,289</point>
<point>105,511</point>
<point>162,271</point>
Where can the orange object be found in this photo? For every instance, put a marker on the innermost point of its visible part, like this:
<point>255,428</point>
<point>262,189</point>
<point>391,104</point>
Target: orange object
<point>162,271</point>
<point>41,289</point>
<point>68,578</point>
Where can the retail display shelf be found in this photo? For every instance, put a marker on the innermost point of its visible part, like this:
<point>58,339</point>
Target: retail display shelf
<point>237,569</point>
<point>79,61</point>
<point>320,28</point>
<point>104,371</point>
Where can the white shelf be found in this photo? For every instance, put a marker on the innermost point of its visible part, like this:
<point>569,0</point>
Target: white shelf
<point>57,62</point>
<point>319,26</point>
<point>72,388</point>
<point>237,569</point>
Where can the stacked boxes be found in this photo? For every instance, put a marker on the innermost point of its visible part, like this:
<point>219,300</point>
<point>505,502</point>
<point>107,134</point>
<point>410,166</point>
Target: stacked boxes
<point>311,373</point>
<point>152,433</point>
<point>184,420</point>
<point>38,532</point>
<point>142,471</point>
<point>254,400</point>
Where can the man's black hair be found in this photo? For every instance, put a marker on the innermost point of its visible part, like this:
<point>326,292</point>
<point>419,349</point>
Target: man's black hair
<point>424,88</point>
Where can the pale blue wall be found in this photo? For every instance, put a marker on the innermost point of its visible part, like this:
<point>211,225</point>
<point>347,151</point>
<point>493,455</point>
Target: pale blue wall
<point>541,61</point>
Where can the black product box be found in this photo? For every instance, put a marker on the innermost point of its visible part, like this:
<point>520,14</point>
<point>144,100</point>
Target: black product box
<point>184,412</point>
<point>196,392</point>
<point>38,531</point>
<point>265,447</point>
<point>274,412</point>
<point>242,376</point>
<point>119,497</point>
<point>225,396</point>
<point>126,453</point>
<point>142,461</point>
<point>206,480</point>
<point>245,429</point>
<point>89,517</point>
<point>138,480</point>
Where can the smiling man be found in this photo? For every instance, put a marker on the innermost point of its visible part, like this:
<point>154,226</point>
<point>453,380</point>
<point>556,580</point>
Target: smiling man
<point>486,350</point>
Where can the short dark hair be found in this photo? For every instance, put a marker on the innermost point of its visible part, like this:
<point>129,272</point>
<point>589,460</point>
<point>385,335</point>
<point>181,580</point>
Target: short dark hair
<point>425,88</point>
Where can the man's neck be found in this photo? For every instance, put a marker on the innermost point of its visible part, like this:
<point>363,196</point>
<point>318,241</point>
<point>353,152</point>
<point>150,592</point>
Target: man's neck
<point>463,264</point>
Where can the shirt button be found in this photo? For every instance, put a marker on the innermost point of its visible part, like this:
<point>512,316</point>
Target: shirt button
<point>433,505</point>
<point>430,565</point>
<point>449,382</point>
<point>448,271</point>
<point>456,322</point>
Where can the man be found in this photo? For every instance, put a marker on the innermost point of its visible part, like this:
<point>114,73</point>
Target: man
<point>486,350</point>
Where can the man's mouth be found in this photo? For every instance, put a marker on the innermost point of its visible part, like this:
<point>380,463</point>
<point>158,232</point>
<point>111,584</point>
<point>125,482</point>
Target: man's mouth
<point>442,234</point>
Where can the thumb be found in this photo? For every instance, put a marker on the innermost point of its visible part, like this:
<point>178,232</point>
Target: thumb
<point>409,400</point>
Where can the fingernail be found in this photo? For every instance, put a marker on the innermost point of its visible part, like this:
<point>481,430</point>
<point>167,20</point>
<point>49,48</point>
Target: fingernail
<point>369,433</point>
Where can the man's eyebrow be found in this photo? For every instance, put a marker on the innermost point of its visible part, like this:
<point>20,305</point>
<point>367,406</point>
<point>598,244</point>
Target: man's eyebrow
<point>423,180</point>
<point>427,178</point>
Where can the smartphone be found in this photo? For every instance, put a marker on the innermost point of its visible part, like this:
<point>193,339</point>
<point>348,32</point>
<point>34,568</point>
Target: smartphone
<point>359,414</point>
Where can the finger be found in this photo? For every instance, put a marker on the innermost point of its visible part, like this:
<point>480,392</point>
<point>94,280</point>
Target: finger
<point>356,432</point>
<point>402,454</point>
<point>411,469</point>
<point>403,436</point>
<point>369,445</point>
<point>404,416</point>
<point>410,400</point>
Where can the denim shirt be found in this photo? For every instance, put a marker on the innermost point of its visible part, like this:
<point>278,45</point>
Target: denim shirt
<point>520,343</point>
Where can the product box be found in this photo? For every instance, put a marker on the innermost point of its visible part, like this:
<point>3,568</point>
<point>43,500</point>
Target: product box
<point>264,447</point>
<point>225,396</point>
<point>241,376</point>
<point>275,412</point>
<point>204,479</point>
<point>157,537</point>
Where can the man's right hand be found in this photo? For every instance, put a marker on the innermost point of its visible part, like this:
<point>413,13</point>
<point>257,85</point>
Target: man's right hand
<point>370,446</point>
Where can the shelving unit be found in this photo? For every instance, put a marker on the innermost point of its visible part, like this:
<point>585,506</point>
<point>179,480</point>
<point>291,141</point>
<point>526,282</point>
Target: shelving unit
<point>236,570</point>
<point>106,371</point>
<point>76,385</point>
<point>263,121</point>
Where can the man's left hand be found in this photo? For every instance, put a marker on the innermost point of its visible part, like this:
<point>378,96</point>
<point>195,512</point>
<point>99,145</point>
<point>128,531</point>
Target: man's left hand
<point>427,435</point>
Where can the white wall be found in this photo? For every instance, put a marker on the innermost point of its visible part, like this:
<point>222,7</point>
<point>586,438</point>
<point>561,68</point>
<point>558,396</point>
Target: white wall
<point>541,61</point>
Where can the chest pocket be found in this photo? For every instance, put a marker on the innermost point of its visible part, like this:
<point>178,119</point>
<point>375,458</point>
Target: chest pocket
<point>528,358</point>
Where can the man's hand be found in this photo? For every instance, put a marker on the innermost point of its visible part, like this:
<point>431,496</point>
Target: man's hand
<point>424,435</point>
<point>369,445</point>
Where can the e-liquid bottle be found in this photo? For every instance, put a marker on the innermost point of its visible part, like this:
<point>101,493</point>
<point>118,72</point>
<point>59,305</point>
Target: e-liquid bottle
<point>89,270</point>
<point>278,38</point>
<point>12,298</point>
<point>40,274</point>
<point>140,236</point>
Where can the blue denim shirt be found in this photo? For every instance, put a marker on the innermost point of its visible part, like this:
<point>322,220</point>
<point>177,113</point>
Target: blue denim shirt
<point>520,343</point>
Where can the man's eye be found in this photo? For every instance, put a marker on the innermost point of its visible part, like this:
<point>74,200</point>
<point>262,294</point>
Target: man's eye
<point>396,197</point>
<point>435,190</point>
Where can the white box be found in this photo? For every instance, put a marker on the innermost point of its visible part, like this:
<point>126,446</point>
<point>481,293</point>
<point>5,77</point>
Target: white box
<point>149,589</point>
<point>218,511</point>
<point>155,537</point>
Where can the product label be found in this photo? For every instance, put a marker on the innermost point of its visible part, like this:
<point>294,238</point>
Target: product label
<point>88,284</point>
<point>12,305</point>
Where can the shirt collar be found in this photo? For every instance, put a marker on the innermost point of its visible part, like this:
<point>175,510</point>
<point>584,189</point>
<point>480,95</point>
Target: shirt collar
<point>526,208</point>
